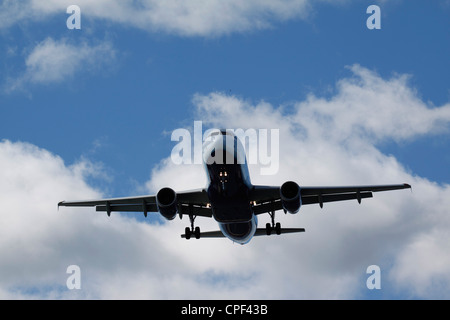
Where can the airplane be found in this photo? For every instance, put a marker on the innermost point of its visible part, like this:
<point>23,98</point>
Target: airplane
<point>230,198</point>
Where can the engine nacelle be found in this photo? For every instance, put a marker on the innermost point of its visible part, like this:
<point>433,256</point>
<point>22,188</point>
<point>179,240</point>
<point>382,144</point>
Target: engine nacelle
<point>290,196</point>
<point>166,200</point>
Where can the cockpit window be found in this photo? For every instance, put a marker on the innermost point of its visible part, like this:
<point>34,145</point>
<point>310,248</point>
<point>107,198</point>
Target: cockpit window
<point>214,133</point>
<point>225,132</point>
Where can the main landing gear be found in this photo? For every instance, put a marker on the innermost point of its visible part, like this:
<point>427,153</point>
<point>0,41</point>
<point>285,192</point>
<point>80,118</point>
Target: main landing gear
<point>274,226</point>
<point>188,232</point>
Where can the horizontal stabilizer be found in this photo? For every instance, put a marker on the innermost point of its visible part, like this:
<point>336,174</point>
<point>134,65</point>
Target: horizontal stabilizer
<point>263,231</point>
<point>259,232</point>
<point>208,234</point>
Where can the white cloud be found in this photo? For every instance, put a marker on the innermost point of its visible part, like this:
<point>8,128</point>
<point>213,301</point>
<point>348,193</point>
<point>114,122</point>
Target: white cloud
<point>365,107</point>
<point>53,61</point>
<point>190,18</point>
<point>322,142</point>
<point>375,108</point>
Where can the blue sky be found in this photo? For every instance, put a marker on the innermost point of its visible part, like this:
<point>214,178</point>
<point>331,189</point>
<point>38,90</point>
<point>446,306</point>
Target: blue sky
<point>150,83</point>
<point>104,99</point>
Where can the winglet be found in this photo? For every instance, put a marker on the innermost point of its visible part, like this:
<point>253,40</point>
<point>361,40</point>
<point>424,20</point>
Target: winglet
<point>408,186</point>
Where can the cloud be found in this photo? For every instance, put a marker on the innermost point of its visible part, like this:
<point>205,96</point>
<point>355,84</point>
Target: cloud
<point>375,108</point>
<point>187,18</point>
<point>55,61</point>
<point>322,142</point>
<point>38,242</point>
<point>365,107</point>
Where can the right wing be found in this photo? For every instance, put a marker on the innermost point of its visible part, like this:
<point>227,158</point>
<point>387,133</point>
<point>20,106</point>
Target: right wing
<point>193,202</point>
<point>267,198</point>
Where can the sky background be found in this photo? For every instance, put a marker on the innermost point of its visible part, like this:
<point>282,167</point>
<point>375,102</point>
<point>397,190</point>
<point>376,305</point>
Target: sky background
<point>89,113</point>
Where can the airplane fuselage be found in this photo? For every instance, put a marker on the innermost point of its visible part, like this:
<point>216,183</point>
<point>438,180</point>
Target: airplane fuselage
<point>228,187</point>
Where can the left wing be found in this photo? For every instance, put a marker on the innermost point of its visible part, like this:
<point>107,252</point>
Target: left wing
<point>267,198</point>
<point>193,202</point>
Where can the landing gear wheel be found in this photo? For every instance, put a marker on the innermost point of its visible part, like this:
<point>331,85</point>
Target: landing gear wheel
<point>187,232</point>
<point>268,229</point>
<point>273,227</point>
<point>278,228</point>
<point>197,233</point>
<point>192,231</point>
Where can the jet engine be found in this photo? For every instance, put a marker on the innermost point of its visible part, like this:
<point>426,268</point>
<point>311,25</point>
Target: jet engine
<point>166,200</point>
<point>290,196</point>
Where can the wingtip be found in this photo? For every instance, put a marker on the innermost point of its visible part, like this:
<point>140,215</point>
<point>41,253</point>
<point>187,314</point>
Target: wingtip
<point>407,186</point>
